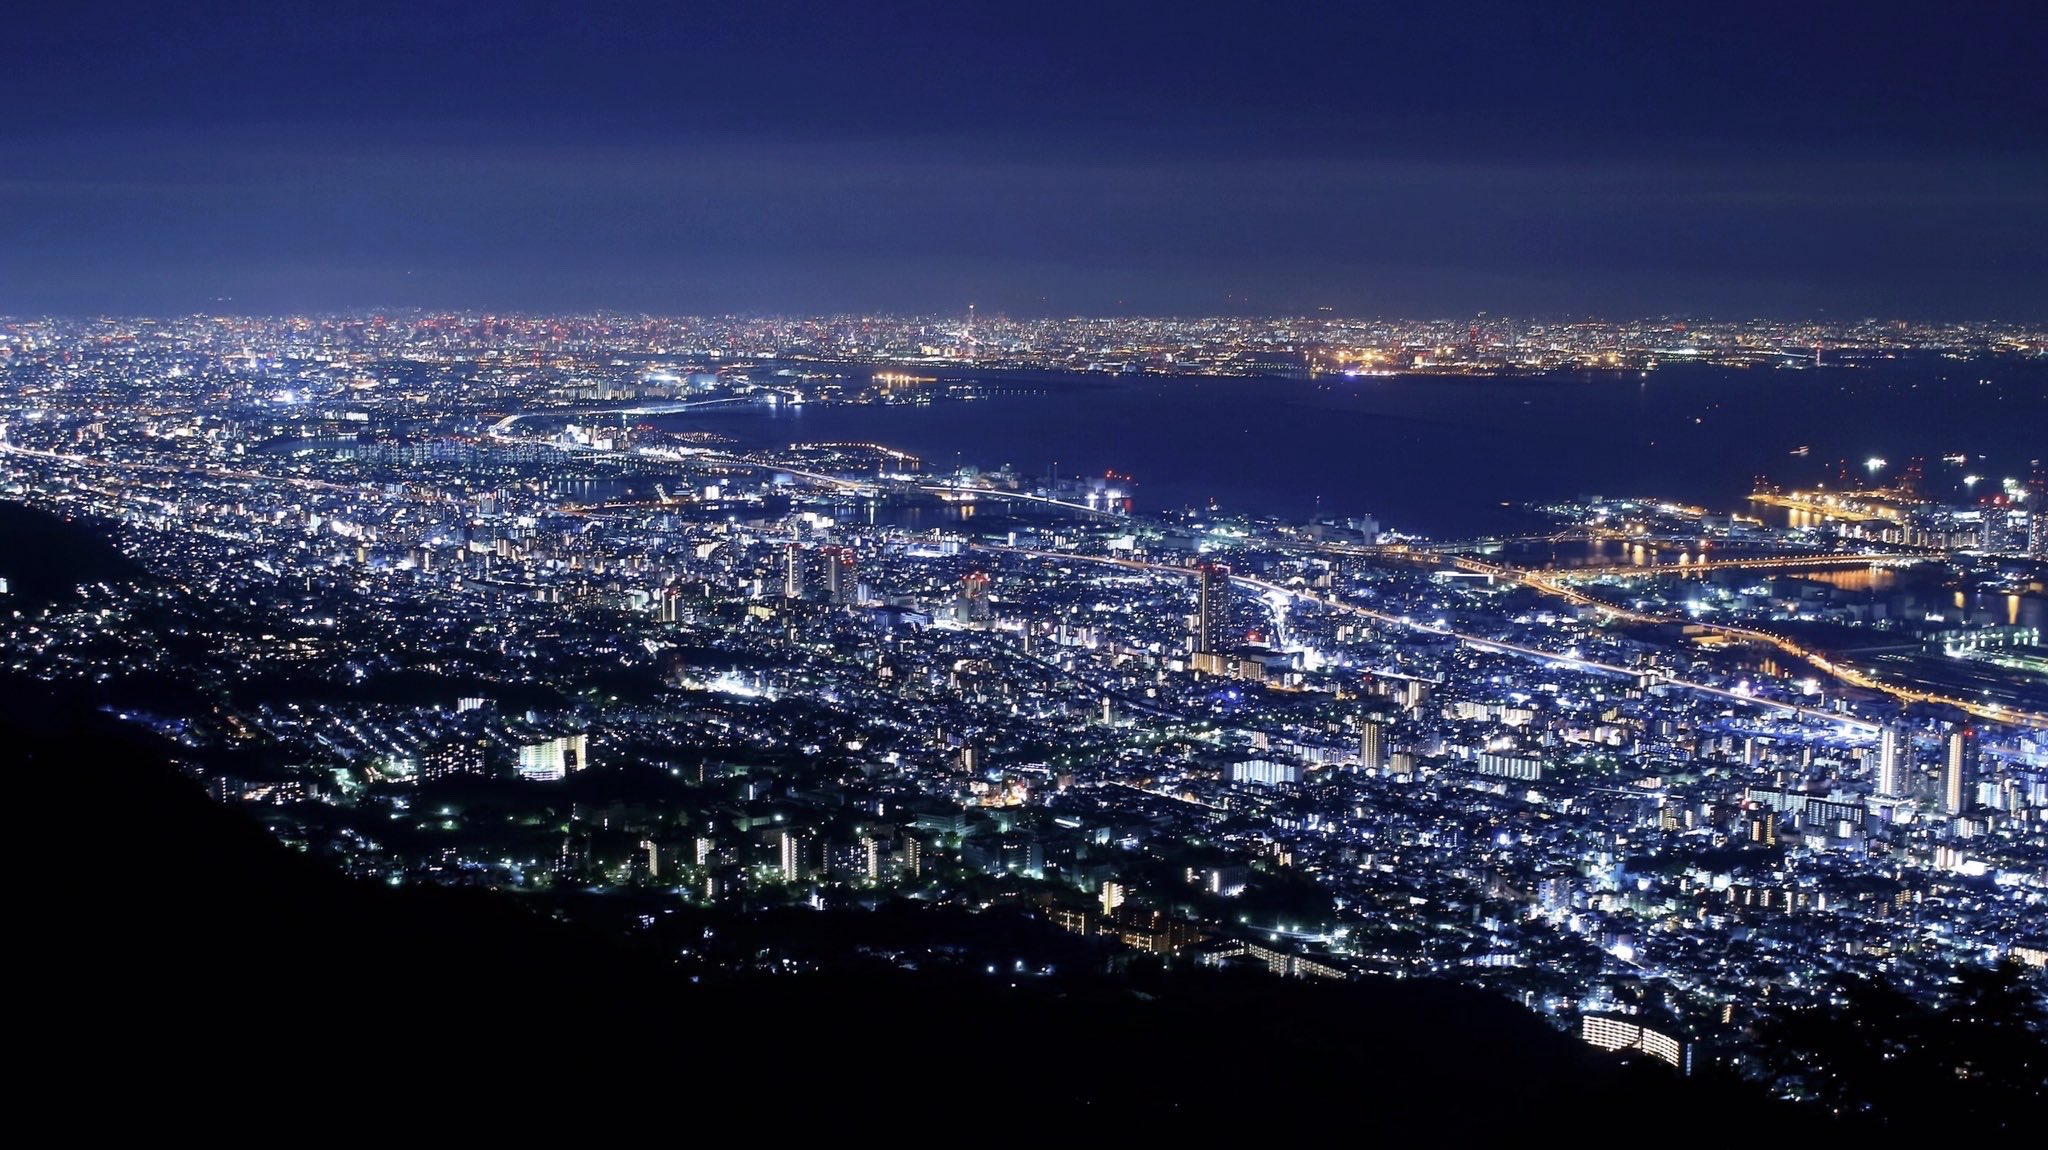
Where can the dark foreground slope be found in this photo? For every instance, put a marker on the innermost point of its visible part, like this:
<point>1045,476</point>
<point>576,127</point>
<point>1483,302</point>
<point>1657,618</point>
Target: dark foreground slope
<point>44,557</point>
<point>184,953</point>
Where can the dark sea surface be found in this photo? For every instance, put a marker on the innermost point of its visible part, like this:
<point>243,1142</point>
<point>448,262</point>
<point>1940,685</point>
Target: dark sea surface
<point>1460,457</point>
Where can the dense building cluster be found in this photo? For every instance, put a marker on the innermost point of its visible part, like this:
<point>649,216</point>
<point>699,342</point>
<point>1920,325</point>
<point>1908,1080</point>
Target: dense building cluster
<point>396,589</point>
<point>502,350</point>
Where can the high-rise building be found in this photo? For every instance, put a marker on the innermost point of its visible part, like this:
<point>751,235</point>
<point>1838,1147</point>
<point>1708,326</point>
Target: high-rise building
<point>1618,1033</point>
<point>792,571</point>
<point>1416,694</point>
<point>1892,747</point>
<point>1372,745</point>
<point>1112,896</point>
<point>1953,771</point>
<point>794,856</point>
<point>1212,599</point>
<point>555,758</point>
<point>839,577</point>
<point>974,606</point>
<point>452,759</point>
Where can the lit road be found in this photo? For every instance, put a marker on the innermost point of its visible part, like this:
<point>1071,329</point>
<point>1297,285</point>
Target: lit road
<point>1478,641</point>
<point>664,407</point>
<point>1019,496</point>
<point>1549,585</point>
<point>210,472</point>
<point>1762,562</point>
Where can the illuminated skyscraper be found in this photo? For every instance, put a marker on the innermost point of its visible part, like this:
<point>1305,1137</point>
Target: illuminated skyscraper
<point>1416,694</point>
<point>1892,747</point>
<point>1372,745</point>
<point>974,606</point>
<point>793,856</point>
<point>792,572</point>
<point>1112,896</point>
<point>839,577</point>
<point>1952,772</point>
<point>1212,597</point>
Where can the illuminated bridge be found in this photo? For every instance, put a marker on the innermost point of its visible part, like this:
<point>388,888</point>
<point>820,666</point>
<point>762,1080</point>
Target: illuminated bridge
<point>762,395</point>
<point>886,452</point>
<point>969,494</point>
<point>1550,583</point>
<point>1573,534</point>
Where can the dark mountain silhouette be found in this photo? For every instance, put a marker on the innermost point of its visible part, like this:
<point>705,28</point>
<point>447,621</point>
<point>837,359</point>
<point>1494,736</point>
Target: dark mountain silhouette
<point>44,557</point>
<point>187,948</point>
<point>188,954</point>
<point>1980,1061</point>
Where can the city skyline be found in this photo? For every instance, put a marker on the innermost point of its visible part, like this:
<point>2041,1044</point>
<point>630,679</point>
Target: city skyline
<point>762,654</point>
<point>1103,567</point>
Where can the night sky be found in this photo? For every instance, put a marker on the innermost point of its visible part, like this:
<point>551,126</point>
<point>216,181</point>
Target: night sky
<point>1038,158</point>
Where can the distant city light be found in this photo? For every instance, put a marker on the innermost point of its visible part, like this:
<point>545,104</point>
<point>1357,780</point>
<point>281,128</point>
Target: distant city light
<point>512,602</point>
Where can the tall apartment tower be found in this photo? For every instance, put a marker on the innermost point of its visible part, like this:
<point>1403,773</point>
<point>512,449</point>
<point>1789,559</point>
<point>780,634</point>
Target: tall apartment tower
<point>974,605</point>
<point>1953,770</point>
<point>792,571</point>
<point>838,578</point>
<point>1212,597</point>
<point>1892,746</point>
<point>1372,745</point>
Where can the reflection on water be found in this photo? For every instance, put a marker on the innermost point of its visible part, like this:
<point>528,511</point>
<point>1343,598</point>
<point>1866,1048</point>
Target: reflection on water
<point>1924,592</point>
<point>1449,458</point>
<point>1857,578</point>
<point>2010,609</point>
<point>910,517</point>
<point>601,490</point>
<point>1797,518</point>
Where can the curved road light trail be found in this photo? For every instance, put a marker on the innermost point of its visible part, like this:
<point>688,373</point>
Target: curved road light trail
<point>1478,641</point>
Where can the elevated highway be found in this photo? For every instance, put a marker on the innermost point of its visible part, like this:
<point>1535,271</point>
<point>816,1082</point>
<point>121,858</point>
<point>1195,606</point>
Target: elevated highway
<point>1809,561</point>
<point>1479,642</point>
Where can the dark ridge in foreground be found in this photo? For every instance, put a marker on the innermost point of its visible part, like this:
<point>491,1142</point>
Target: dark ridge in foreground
<point>192,951</point>
<point>45,556</point>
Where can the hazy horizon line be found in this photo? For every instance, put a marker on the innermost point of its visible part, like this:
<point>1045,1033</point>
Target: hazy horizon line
<point>892,315</point>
